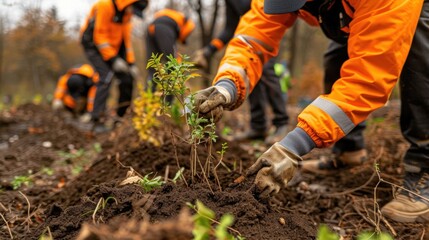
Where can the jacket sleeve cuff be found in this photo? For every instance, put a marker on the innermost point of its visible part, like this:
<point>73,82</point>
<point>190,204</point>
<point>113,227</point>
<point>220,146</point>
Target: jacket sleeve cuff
<point>230,87</point>
<point>298,142</point>
<point>209,51</point>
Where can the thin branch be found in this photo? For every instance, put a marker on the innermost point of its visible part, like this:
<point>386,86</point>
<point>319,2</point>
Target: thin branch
<point>28,209</point>
<point>7,225</point>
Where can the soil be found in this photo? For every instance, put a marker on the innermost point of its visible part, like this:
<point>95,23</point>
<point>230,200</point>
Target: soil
<point>75,190</point>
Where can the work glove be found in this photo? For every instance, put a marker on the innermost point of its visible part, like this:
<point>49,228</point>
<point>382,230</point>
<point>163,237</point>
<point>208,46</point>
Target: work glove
<point>85,118</point>
<point>200,59</point>
<point>210,102</point>
<point>274,169</point>
<point>57,105</point>
<point>120,65</point>
<point>134,71</point>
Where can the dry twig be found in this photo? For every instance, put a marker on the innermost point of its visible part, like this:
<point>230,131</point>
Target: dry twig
<point>7,226</point>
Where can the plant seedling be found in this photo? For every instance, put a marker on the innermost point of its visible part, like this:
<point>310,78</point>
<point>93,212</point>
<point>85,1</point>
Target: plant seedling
<point>203,220</point>
<point>18,181</point>
<point>150,184</point>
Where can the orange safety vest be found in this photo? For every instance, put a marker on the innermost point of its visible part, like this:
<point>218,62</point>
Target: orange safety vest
<point>379,38</point>
<point>108,28</point>
<point>61,91</point>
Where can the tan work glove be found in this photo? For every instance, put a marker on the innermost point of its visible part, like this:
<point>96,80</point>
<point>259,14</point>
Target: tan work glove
<point>120,65</point>
<point>200,60</point>
<point>275,168</point>
<point>210,102</point>
<point>85,118</point>
<point>57,105</point>
<point>134,71</point>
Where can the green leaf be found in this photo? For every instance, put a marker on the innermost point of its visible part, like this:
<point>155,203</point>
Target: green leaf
<point>374,236</point>
<point>221,231</point>
<point>325,233</point>
<point>204,211</point>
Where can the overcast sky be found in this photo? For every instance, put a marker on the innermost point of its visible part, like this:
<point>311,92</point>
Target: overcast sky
<point>72,11</point>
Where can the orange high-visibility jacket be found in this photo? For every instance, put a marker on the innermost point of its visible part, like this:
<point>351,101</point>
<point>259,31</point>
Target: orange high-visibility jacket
<point>380,35</point>
<point>61,91</point>
<point>184,24</point>
<point>107,34</point>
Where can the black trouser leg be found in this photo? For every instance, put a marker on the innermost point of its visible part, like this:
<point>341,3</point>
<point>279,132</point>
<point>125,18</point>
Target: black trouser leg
<point>268,88</point>
<point>257,101</point>
<point>334,58</point>
<point>414,85</point>
<point>103,86</point>
<point>274,94</point>
<point>125,93</point>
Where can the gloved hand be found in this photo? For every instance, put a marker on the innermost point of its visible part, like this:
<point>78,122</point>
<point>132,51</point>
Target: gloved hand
<point>134,71</point>
<point>119,65</point>
<point>57,105</point>
<point>200,59</point>
<point>85,118</point>
<point>275,168</point>
<point>210,102</point>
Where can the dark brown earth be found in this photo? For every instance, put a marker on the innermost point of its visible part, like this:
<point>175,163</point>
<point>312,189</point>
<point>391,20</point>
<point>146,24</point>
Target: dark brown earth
<point>59,204</point>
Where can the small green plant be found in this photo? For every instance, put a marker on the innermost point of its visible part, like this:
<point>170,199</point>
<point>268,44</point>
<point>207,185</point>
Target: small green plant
<point>204,219</point>
<point>178,175</point>
<point>77,169</point>
<point>72,154</point>
<point>102,203</point>
<point>148,184</point>
<point>171,77</point>
<point>46,234</point>
<point>78,159</point>
<point>226,131</point>
<point>47,171</point>
<point>374,236</point>
<point>146,111</point>
<point>97,147</point>
<point>325,233</point>
<point>18,181</point>
<point>377,120</point>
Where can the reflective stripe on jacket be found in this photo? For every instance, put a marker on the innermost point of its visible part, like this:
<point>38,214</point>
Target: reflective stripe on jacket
<point>380,35</point>
<point>109,29</point>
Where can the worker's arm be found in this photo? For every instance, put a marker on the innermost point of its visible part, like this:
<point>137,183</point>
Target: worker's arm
<point>381,33</point>
<point>256,39</point>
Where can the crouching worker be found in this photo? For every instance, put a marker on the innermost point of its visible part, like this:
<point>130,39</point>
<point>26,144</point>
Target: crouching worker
<point>75,90</point>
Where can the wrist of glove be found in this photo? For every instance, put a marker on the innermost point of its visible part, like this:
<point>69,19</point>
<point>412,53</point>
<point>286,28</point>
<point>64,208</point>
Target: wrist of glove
<point>134,71</point>
<point>120,65</point>
<point>274,169</point>
<point>210,102</point>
